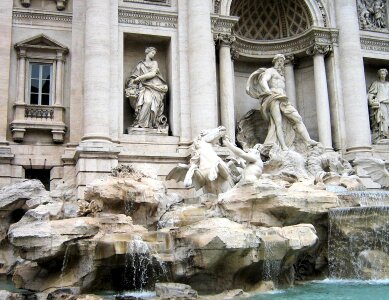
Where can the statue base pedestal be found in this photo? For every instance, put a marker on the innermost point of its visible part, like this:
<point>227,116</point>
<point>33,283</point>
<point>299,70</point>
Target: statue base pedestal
<point>383,142</point>
<point>148,131</point>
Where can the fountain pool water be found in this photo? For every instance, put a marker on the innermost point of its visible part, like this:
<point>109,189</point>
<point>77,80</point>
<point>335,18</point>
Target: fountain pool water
<point>331,290</point>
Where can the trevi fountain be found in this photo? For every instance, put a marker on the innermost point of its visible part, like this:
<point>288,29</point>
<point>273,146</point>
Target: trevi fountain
<point>261,176</point>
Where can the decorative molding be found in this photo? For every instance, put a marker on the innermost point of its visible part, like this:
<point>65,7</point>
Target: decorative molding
<point>223,24</point>
<point>375,44</point>
<point>319,49</point>
<point>148,18</point>
<point>152,2</point>
<point>216,6</point>
<point>323,12</point>
<point>298,44</point>
<point>41,18</point>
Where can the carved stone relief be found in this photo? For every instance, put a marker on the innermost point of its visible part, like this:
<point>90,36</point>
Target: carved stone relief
<point>372,14</point>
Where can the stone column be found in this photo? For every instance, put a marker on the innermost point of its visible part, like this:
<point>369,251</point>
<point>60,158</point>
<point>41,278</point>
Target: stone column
<point>358,139</point>
<point>116,93</point>
<point>58,79</point>
<point>186,132</point>
<point>321,94</point>
<point>21,97</point>
<point>96,155</point>
<point>97,70</point>
<point>290,81</point>
<point>226,74</point>
<point>76,109</point>
<point>6,156</point>
<point>202,67</point>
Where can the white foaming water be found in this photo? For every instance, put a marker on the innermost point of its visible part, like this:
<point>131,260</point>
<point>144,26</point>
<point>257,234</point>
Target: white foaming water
<point>353,281</point>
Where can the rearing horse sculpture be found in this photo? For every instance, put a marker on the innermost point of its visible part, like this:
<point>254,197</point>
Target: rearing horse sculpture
<point>206,169</point>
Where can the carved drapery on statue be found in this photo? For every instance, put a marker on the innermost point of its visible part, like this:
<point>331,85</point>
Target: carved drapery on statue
<point>378,98</point>
<point>268,86</point>
<point>146,90</point>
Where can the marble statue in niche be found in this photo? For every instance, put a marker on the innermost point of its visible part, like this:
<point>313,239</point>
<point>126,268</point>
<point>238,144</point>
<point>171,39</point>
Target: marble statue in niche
<point>268,86</point>
<point>146,90</point>
<point>378,98</point>
<point>372,14</point>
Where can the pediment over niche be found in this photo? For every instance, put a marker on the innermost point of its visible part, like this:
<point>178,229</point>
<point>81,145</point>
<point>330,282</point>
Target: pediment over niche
<point>41,41</point>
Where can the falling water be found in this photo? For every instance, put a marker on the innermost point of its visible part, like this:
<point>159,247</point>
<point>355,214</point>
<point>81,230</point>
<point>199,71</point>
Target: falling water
<point>141,265</point>
<point>65,262</point>
<point>358,242</point>
<point>271,265</point>
<point>365,198</point>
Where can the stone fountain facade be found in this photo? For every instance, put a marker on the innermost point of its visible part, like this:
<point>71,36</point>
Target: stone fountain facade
<point>82,125</point>
<point>203,131</point>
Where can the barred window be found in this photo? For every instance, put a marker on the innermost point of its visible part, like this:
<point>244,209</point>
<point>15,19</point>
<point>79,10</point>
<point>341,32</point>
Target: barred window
<point>41,75</point>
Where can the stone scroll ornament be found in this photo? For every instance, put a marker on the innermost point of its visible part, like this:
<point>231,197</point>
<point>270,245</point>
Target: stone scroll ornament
<point>372,14</point>
<point>206,169</point>
<point>146,91</point>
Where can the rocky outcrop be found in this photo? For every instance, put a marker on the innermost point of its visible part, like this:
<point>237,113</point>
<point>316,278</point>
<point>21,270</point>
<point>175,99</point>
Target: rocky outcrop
<point>268,204</point>
<point>172,290</point>
<point>135,233</point>
<point>16,199</point>
<point>132,192</point>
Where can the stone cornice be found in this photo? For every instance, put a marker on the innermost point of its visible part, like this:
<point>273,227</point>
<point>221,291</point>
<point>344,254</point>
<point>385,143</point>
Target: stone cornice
<point>375,44</point>
<point>298,44</point>
<point>41,18</point>
<point>223,24</point>
<point>147,18</point>
<point>151,2</point>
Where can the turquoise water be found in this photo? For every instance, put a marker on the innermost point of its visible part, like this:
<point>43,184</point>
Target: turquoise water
<point>7,285</point>
<point>111,295</point>
<point>332,290</point>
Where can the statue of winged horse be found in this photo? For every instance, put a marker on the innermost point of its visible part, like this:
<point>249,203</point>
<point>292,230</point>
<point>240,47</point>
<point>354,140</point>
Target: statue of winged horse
<point>206,169</point>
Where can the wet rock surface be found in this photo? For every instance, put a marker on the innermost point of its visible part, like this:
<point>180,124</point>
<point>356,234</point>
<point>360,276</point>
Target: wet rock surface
<point>253,237</point>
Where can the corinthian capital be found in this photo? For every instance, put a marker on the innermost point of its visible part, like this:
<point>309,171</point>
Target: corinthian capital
<point>319,49</point>
<point>225,39</point>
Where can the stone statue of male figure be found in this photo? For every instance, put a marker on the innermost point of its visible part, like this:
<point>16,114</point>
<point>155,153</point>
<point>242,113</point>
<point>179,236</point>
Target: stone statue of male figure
<point>268,86</point>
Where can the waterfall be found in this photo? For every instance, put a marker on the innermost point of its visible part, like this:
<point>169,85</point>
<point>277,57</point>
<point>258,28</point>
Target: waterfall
<point>65,262</point>
<point>358,241</point>
<point>365,198</point>
<point>141,265</point>
<point>271,263</point>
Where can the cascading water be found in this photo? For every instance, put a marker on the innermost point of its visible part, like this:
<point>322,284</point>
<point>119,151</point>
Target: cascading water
<point>358,242</point>
<point>65,262</point>
<point>141,265</point>
<point>271,266</point>
<point>365,198</point>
